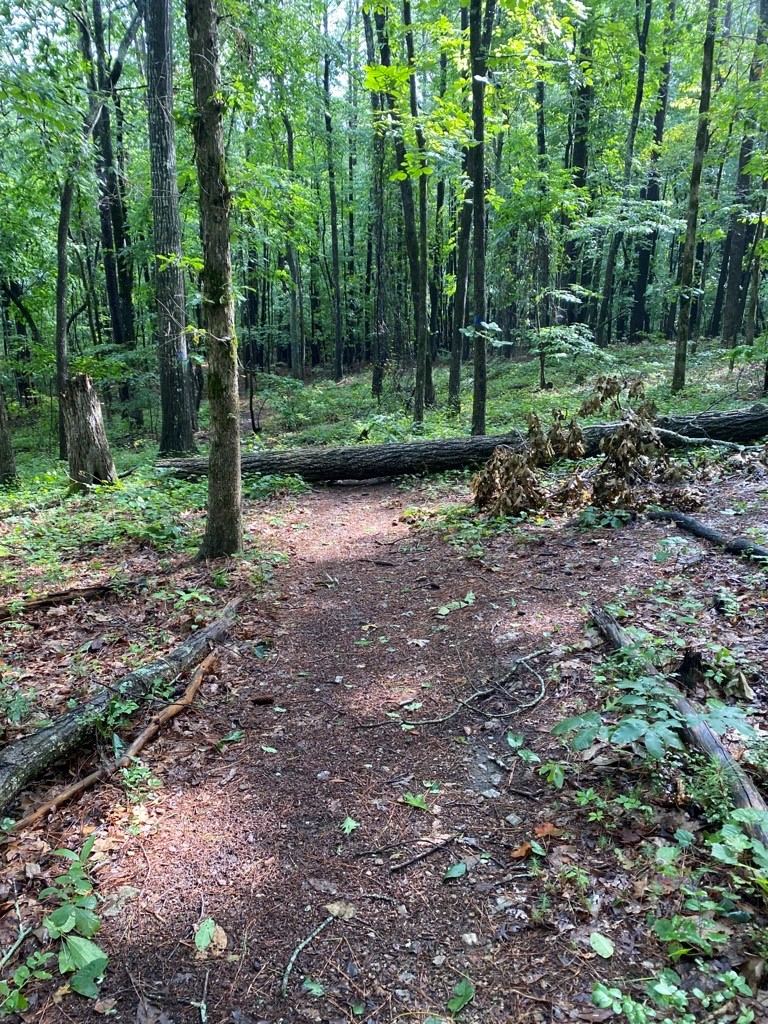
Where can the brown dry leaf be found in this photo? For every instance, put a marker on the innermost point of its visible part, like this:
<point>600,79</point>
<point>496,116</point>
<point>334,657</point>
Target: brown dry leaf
<point>341,910</point>
<point>521,851</point>
<point>104,1005</point>
<point>215,947</point>
<point>547,829</point>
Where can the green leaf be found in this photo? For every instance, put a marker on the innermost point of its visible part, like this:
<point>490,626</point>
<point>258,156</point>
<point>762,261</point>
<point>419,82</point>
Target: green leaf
<point>601,944</point>
<point>577,722</point>
<point>463,993</point>
<point>204,933</point>
<point>416,800</point>
<point>313,987</point>
<point>654,745</point>
<point>349,825</point>
<point>268,750</point>
<point>455,871</point>
<point>79,953</point>
<point>515,739</point>
<point>629,730</point>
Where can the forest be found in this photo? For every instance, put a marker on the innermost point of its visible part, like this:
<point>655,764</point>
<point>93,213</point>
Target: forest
<point>383,535</point>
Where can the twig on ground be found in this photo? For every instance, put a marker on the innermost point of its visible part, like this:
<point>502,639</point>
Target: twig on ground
<point>477,695</point>
<point>299,949</point>
<point>23,933</point>
<point>102,774</point>
<point>424,853</point>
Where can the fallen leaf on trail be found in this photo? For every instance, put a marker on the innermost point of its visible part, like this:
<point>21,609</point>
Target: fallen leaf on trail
<point>104,1005</point>
<point>547,829</point>
<point>341,910</point>
<point>521,851</point>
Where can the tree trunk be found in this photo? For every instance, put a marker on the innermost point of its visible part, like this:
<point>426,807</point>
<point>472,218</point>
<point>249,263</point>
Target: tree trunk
<point>480,30</point>
<point>90,460</point>
<point>176,401</point>
<point>378,256</point>
<point>27,759</point>
<point>578,151</point>
<point>7,460</point>
<point>62,287</point>
<point>364,462</point>
<point>223,528</point>
<point>689,247</point>
<point>338,348</point>
<point>738,275</point>
<point>604,323</point>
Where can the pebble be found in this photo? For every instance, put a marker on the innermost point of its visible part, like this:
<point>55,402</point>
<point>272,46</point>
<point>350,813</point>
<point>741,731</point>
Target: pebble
<point>513,819</point>
<point>491,794</point>
<point>470,939</point>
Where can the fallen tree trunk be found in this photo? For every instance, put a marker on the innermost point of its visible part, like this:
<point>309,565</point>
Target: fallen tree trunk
<point>27,759</point>
<point>742,790</point>
<point>733,545</point>
<point>107,771</point>
<point>363,462</point>
<point>90,593</point>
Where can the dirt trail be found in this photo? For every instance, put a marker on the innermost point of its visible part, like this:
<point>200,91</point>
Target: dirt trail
<point>310,693</point>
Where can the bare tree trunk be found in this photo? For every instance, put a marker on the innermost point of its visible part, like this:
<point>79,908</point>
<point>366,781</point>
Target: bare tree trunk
<point>223,529</point>
<point>176,401</point>
<point>479,44</point>
<point>603,327</point>
<point>379,346</point>
<point>90,460</point>
<point>338,348</point>
<point>62,287</point>
<point>689,247</point>
<point>7,460</point>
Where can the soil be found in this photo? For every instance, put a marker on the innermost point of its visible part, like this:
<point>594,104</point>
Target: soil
<point>302,788</point>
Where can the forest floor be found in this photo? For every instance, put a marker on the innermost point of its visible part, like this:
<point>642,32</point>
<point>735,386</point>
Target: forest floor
<point>296,782</point>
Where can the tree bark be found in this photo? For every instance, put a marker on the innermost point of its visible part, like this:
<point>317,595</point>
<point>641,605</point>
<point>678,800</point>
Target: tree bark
<point>7,460</point>
<point>223,528</point>
<point>364,462</point>
<point>738,275</point>
<point>603,328</point>
<point>90,460</point>
<point>62,288</point>
<point>25,760</point>
<point>176,402</point>
<point>733,545</point>
<point>338,333</point>
<point>689,247</point>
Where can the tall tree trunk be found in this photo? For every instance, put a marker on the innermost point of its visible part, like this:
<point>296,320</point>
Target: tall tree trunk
<point>338,349</point>
<point>62,288</point>
<point>577,153</point>
<point>421,293</point>
<point>294,268</point>
<point>177,409</point>
<point>689,246</point>
<point>7,460</point>
<point>480,30</point>
<point>410,229</point>
<point>378,256</point>
<point>642,28</point>
<point>738,274</point>
<point>223,529</point>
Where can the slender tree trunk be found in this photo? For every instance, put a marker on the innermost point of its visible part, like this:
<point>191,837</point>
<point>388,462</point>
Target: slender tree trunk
<point>378,255</point>
<point>738,274</point>
<point>578,150</point>
<point>223,530</point>
<point>62,288</point>
<point>294,268</point>
<point>7,460</point>
<point>421,293</point>
<point>689,247</point>
<point>338,351</point>
<point>176,401</point>
<point>479,45</point>
<point>642,28</point>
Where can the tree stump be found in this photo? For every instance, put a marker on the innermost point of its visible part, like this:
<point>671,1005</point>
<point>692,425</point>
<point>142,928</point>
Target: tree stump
<point>90,460</point>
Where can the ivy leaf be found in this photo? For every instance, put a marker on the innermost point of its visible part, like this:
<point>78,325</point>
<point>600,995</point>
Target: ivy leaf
<point>455,871</point>
<point>463,993</point>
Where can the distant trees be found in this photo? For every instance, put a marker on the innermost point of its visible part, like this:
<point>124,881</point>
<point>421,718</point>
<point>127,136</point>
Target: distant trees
<point>405,178</point>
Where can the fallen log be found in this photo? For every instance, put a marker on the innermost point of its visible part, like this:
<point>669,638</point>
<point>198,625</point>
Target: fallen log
<point>26,759</point>
<point>106,772</point>
<point>733,545</point>
<point>363,462</point>
<point>742,790</point>
<point>89,593</point>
